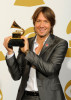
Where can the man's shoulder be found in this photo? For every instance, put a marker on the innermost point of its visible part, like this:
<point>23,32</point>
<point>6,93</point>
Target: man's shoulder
<point>59,39</point>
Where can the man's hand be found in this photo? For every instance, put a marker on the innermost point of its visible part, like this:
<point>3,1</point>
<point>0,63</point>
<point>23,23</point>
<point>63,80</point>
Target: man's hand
<point>6,41</point>
<point>26,45</point>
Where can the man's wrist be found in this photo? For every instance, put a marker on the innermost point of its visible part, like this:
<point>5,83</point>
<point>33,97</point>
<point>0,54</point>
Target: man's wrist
<point>9,53</point>
<point>9,56</point>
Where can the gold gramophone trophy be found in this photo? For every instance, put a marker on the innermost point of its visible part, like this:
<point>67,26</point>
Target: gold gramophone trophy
<point>16,36</point>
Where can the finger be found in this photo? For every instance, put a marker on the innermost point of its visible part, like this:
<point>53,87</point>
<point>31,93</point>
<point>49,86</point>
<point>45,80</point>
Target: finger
<point>6,40</point>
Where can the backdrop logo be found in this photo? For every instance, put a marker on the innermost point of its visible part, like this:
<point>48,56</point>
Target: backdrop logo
<point>69,28</point>
<point>1,96</point>
<point>28,2</point>
<point>1,56</point>
<point>29,32</point>
<point>68,31</point>
<point>67,90</point>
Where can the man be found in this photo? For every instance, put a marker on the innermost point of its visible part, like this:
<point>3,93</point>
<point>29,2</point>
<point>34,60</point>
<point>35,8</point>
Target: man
<point>39,61</point>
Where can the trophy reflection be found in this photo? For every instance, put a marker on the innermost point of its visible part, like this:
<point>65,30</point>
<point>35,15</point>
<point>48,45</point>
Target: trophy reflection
<point>16,36</point>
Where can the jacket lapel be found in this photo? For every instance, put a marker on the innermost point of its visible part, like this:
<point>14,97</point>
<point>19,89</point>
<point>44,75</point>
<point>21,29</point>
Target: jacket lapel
<point>31,43</point>
<point>47,44</point>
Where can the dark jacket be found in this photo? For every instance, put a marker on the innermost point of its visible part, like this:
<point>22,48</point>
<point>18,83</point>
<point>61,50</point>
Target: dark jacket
<point>48,65</point>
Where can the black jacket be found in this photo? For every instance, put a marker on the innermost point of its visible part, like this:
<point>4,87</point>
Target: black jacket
<point>48,65</point>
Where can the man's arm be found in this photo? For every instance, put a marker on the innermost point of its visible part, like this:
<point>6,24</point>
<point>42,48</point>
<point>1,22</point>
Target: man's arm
<point>54,64</point>
<point>16,65</point>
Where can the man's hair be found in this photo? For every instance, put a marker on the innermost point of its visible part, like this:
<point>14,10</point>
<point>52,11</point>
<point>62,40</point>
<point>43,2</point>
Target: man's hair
<point>48,14</point>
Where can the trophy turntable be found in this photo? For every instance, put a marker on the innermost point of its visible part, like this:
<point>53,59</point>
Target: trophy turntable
<point>16,36</point>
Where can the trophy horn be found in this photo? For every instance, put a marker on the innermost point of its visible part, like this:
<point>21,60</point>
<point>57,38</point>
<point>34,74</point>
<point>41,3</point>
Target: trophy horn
<point>15,25</point>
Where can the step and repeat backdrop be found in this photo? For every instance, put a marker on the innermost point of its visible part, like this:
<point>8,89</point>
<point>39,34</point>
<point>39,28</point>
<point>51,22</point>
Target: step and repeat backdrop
<point>21,12</point>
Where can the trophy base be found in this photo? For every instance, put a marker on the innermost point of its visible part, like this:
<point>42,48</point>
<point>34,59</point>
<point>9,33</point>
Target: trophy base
<point>16,42</point>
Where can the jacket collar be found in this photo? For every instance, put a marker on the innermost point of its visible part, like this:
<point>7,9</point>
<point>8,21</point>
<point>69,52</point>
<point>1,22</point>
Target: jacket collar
<point>49,41</point>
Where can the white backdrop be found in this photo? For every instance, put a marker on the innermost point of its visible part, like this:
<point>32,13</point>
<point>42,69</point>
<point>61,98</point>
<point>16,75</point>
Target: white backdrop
<point>22,15</point>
